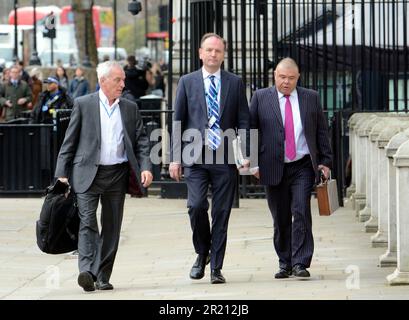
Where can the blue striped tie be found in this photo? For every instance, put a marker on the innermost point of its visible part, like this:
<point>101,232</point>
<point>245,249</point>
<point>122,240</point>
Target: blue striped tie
<point>213,133</point>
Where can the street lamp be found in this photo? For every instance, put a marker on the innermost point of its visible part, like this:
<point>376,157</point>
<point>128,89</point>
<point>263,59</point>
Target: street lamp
<point>146,22</point>
<point>15,53</point>
<point>34,59</point>
<point>115,29</point>
<point>85,5</point>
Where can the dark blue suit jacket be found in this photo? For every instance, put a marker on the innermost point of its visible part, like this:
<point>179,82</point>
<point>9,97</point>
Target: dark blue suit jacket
<point>191,113</point>
<point>266,117</point>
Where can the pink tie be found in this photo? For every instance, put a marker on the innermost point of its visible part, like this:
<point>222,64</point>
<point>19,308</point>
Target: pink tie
<point>290,151</point>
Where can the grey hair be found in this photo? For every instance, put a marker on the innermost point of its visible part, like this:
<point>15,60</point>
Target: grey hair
<point>104,68</point>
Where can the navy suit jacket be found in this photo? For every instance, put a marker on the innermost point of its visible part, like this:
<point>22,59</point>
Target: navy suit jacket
<point>266,117</point>
<point>191,113</point>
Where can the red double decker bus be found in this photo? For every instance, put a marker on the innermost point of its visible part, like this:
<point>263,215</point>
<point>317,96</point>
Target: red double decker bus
<point>102,17</point>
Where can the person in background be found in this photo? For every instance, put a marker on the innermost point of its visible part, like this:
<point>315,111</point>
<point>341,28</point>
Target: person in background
<point>158,86</point>
<point>23,74</point>
<point>163,66</point>
<point>3,80</point>
<point>61,76</point>
<point>17,95</point>
<point>55,97</point>
<point>135,78</point>
<point>1,108</point>
<point>126,94</point>
<point>37,86</point>
<point>79,86</point>
<point>5,76</point>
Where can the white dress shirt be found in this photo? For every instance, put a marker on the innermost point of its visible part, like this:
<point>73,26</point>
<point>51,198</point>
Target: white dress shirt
<point>217,82</point>
<point>300,141</point>
<point>112,134</point>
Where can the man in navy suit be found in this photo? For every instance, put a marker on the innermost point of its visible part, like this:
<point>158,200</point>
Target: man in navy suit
<point>209,102</point>
<point>293,148</point>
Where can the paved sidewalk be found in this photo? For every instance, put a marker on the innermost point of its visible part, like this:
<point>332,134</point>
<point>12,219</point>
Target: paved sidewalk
<point>155,256</point>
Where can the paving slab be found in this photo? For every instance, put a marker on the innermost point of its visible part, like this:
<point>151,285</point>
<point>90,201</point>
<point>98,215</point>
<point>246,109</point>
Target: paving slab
<point>155,255</point>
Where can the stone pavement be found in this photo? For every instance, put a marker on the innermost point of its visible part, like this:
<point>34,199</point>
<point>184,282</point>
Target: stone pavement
<point>155,256</point>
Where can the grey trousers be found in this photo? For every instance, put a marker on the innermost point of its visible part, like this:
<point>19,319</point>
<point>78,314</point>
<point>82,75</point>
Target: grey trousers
<point>97,251</point>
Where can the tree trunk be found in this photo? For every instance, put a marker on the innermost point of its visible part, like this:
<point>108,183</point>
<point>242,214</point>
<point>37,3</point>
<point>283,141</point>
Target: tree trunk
<point>79,25</point>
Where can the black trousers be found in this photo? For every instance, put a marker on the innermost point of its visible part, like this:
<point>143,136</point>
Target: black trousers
<point>289,204</point>
<point>222,180</point>
<point>97,251</point>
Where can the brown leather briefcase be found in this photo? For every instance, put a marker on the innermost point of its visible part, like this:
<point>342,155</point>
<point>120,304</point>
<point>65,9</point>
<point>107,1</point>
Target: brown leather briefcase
<point>327,196</point>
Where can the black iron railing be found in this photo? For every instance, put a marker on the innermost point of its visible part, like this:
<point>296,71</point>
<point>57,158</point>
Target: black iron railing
<point>354,53</point>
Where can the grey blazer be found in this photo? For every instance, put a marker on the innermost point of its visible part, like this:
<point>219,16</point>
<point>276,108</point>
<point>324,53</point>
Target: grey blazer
<point>80,152</point>
<point>265,116</point>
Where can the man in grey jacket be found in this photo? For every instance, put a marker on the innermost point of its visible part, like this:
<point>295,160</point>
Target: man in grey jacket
<point>105,139</point>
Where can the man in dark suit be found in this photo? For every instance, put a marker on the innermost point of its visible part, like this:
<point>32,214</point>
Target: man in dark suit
<point>104,139</point>
<point>209,102</point>
<point>293,148</point>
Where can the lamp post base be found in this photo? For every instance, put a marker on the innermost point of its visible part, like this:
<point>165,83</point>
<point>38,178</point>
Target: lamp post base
<point>34,59</point>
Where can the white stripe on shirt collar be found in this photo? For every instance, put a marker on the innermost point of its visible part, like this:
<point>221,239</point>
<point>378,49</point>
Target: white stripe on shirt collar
<point>206,74</point>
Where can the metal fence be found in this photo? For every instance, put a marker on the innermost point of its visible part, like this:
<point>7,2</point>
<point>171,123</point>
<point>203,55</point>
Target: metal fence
<point>28,152</point>
<point>26,158</point>
<point>354,53</point>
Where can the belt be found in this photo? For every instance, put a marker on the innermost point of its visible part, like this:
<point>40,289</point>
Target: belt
<point>113,166</point>
<point>306,157</point>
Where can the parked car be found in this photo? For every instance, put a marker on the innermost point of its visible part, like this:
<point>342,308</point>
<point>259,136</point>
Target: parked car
<point>65,57</point>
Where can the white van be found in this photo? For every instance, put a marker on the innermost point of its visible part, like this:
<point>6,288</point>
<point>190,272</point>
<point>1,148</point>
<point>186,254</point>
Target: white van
<point>6,56</point>
<point>24,34</point>
<point>64,57</point>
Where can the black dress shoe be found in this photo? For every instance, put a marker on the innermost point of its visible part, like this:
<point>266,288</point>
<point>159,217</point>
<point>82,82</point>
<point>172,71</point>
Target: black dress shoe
<point>217,277</point>
<point>282,274</point>
<point>300,271</point>
<point>102,285</point>
<point>198,269</point>
<point>86,281</point>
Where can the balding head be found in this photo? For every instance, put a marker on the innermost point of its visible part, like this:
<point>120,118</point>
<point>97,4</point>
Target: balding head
<point>286,76</point>
<point>287,63</point>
